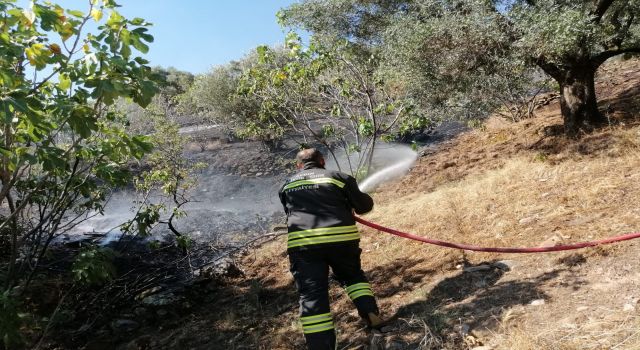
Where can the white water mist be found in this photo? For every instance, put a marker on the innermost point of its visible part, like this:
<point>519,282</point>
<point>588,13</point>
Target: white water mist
<point>389,164</point>
<point>390,161</point>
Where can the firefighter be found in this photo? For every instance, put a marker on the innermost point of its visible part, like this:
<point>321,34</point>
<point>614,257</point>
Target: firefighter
<point>319,204</point>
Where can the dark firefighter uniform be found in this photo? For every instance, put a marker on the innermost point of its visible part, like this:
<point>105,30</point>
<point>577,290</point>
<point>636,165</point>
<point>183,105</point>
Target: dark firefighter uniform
<point>319,204</point>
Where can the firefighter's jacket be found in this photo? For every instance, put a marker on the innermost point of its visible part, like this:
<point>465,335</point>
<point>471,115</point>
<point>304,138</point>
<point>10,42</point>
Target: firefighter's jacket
<point>319,204</point>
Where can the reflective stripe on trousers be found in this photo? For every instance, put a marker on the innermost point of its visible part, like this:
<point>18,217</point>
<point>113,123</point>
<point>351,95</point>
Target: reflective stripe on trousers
<point>323,235</point>
<point>316,323</point>
<point>358,290</point>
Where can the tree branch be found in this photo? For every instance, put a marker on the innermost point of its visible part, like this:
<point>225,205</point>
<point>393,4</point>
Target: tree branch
<point>603,56</point>
<point>70,51</point>
<point>601,8</point>
<point>549,68</point>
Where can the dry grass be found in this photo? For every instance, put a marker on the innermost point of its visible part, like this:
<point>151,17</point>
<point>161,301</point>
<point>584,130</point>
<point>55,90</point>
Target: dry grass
<point>608,334</point>
<point>566,197</point>
<point>506,185</point>
<point>524,203</point>
<point>502,185</point>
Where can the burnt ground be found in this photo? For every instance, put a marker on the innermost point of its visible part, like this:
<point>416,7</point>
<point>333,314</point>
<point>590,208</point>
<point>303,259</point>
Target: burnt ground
<point>502,184</point>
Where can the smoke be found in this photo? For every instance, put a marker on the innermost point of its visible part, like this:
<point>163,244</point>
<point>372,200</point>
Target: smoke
<point>221,205</point>
<point>226,204</point>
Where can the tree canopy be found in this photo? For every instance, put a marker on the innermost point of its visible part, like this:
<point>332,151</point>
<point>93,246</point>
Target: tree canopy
<point>459,56</point>
<point>62,147</point>
<point>213,95</point>
<point>327,94</point>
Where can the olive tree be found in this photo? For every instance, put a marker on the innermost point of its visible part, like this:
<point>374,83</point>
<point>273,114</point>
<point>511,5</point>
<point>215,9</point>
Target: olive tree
<point>476,43</point>
<point>440,74</point>
<point>172,86</point>
<point>570,40</point>
<point>462,56</point>
<point>456,59</point>
<point>362,22</point>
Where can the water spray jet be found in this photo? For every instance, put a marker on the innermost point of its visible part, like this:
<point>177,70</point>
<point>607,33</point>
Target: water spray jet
<point>390,161</point>
<point>389,164</point>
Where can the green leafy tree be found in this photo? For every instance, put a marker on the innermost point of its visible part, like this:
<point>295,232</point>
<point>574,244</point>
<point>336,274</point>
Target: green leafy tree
<point>213,95</point>
<point>456,59</point>
<point>173,85</point>
<point>432,72</point>
<point>164,183</point>
<point>477,43</point>
<point>458,51</point>
<point>328,95</point>
<point>362,22</point>
<point>570,40</point>
<point>62,148</point>
<point>170,175</point>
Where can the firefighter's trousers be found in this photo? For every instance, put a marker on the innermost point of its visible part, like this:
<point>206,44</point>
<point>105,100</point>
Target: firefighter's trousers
<point>310,269</point>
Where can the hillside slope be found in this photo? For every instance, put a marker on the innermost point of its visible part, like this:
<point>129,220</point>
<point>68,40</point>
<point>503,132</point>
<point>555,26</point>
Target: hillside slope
<point>503,184</point>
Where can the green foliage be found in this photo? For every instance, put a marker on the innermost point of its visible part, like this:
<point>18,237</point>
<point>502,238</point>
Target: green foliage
<point>173,82</point>
<point>415,121</point>
<point>94,266</point>
<point>462,59</point>
<point>155,245</point>
<point>327,93</point>
<point>453,60</point>
<point>9,322</point>
<point>173,85</point>
<point>560,31</point>
<point>365,127</point>
<point>146,217</point>
<point>166,167</point>
<point>213,96</point>
<point>63,148</point>
<point>361,21</point>
<point>169,174</point>
<point>184,242</point>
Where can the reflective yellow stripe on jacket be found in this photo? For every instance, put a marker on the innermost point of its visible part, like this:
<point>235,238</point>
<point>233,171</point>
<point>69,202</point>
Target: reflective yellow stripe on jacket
<point>323,235</point>
<point>322,180</point>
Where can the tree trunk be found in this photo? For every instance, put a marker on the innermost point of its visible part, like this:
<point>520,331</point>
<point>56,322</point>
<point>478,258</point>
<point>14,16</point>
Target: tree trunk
<point>578,101</point>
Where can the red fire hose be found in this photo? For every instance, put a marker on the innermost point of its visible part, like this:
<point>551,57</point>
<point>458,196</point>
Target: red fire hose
<point>498,250</point>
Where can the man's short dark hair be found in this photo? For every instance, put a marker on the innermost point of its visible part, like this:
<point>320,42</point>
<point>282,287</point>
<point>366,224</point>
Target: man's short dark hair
<point>309,155</point>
